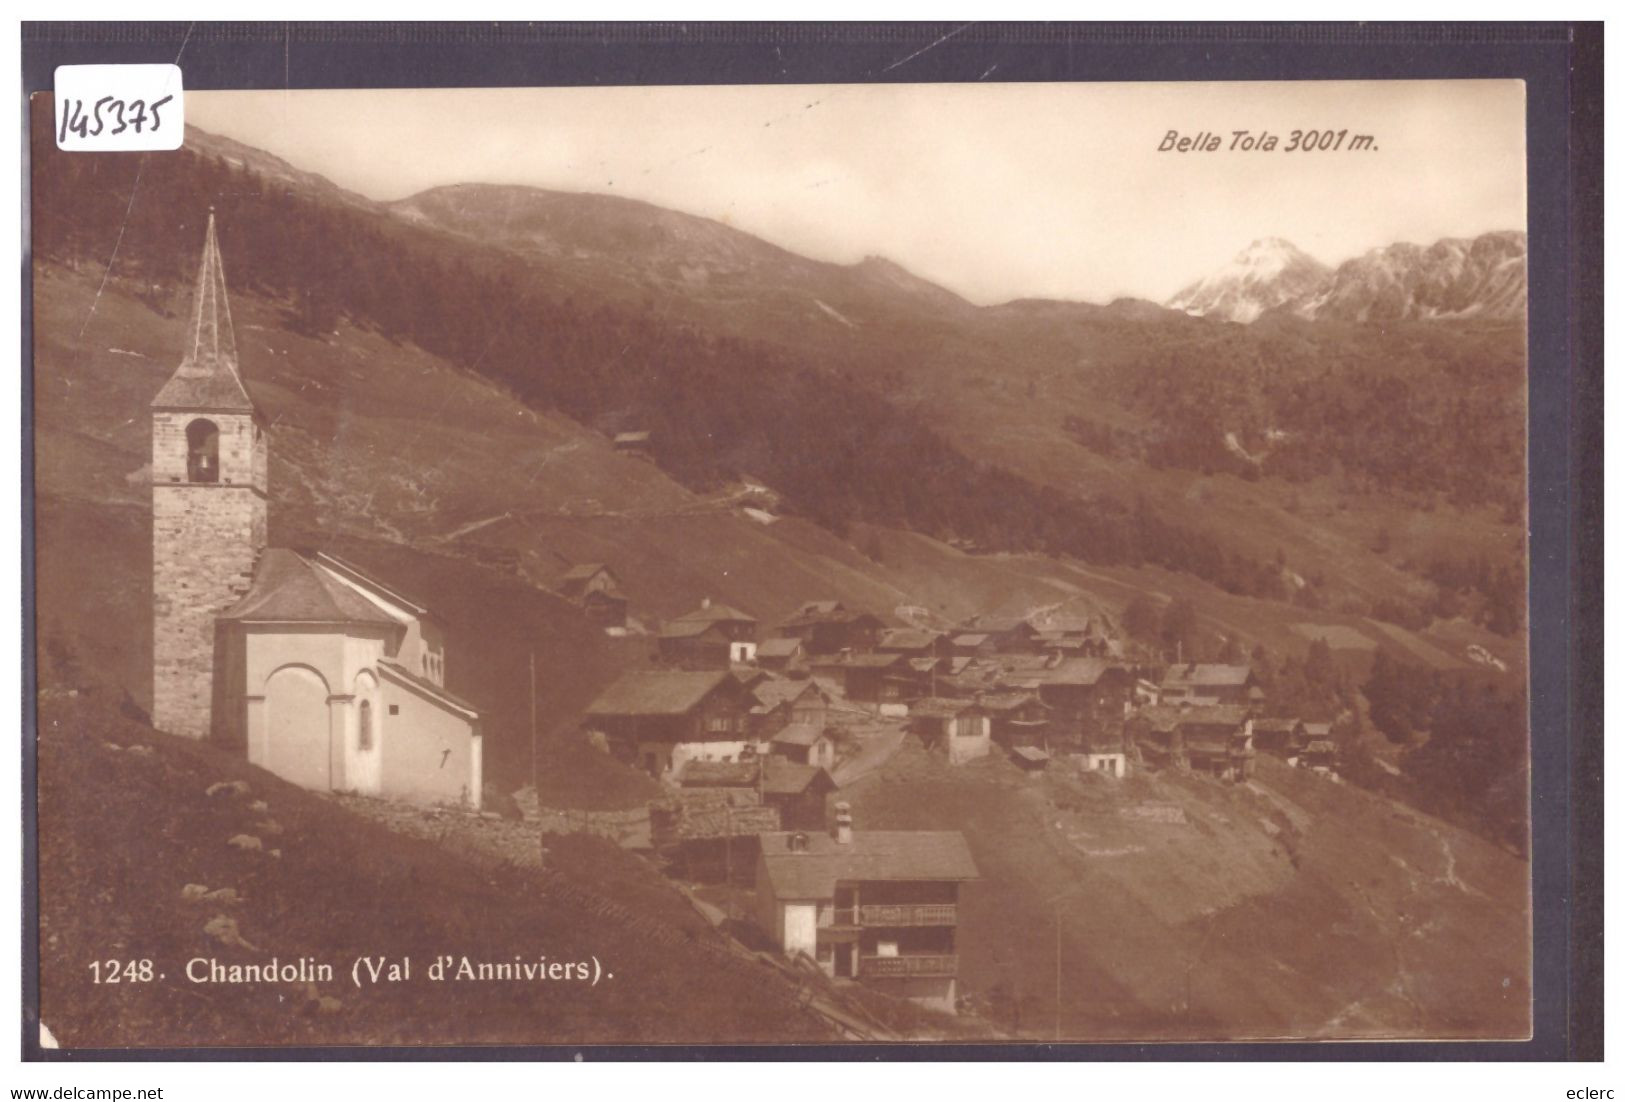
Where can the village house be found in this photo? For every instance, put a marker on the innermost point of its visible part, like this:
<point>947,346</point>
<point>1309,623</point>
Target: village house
<point>799,791</point>
<point>782,702</point>
<point>659,720</point>
<point>882,682</point>
<point>794,792</point>
<point>829,627</point>
<point>912,642</point>
<point>1105,751</point>
<point>972,644</point>
<point>781,654</point>
<point>1006,634</point>
<point>1019,718</point>
<point>804,744</point>
<point>316,671</point>
<point>1084,691</point>
<point>1208,683</point>
<point>960,727</point>
<point>1319,751</point>
<point>880,907</point>
<point>1216,739</point>
<point>593,588</point>
<point>1283,737</point>
<point>713,636</point>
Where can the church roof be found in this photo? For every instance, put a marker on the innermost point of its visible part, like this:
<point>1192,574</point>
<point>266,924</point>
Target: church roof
<point>404,676</point>
<point>289,588</point>
<point>207,377</point>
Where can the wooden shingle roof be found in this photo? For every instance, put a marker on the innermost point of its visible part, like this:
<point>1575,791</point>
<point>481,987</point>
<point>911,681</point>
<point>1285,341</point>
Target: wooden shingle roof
<point>658,692</point>
<point>871,855</point>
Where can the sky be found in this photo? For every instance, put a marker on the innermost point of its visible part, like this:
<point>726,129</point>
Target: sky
<point>996,191</point>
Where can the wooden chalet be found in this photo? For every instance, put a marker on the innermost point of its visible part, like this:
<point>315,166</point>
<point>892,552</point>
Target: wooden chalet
<point>713,636</point>
<point>879,907</point>
<point>660,720</point>
<point>1007,634</point>
<point>781,654</point>
<point>782,702</point>
<point>594,588</point>
<point>1216,739</point>
<point>1283,737</point>
<point>798,791</point>
<point>961,728</point>
<point>884,682</point>
<point>804,744</point>
<point>829,627</point>
<point>1208,683</point>
<point>1018,718</point>
<point>1320,749</point>
<point>912,642</point>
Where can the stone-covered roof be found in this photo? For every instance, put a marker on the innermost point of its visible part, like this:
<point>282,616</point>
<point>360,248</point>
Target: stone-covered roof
<point>907,639</point>
<point>289,588</point>
<point>1166,717</point>
<point>719,774</point>
<point>1210,675</point>
<point>937,707</point>
<point>871,855</point>
<point>714,613</point>
<point>776,692</point>
<point>798,734</point>
<point>207,377</point>
<point>788,778</point>
<point>658,692</point>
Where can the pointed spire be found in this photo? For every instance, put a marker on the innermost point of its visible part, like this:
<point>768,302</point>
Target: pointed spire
<point>208,376</point>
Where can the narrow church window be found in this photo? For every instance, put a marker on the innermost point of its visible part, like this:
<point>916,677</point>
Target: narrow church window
<point>364,726</point>
<point>202,451</point>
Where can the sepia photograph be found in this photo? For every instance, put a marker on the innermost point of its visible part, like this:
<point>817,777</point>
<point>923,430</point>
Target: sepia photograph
<point>802,564</point>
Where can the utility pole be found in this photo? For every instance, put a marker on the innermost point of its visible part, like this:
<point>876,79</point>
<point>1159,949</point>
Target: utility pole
<point>1057,969</point>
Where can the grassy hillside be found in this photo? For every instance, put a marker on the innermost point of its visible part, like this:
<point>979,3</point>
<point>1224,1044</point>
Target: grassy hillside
<point>461,493</point>
<point>1289,907</point>
<point>127,823</point>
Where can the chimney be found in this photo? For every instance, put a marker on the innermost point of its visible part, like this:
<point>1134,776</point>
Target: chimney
<point>843,823</point>
<point>705,602</point>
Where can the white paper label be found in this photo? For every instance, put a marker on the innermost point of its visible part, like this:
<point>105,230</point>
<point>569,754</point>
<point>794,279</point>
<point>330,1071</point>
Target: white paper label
<point>106,108</point>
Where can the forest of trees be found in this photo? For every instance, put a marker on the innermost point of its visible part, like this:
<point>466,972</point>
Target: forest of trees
<point>1465,739</point>
<point>830,442</point>
<point>1433,409</point>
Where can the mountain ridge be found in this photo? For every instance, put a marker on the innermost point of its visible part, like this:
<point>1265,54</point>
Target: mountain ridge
<point>1454,278</point>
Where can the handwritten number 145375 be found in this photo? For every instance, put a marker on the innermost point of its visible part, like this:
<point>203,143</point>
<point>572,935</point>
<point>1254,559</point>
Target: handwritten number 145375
<point>111,114</point>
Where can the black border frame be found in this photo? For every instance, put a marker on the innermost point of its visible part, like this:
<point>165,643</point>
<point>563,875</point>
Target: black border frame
<point>1561,65</point>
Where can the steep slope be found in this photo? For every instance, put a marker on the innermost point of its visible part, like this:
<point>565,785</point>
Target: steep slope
<point>128,822</point>
<point>1168,906</point>
<point>1266,274</point>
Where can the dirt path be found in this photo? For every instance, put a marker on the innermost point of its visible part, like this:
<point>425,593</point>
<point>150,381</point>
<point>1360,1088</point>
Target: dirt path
<point>877,750</point>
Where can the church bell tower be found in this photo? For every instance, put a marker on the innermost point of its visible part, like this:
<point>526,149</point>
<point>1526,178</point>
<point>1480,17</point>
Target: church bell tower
<point>208,505</point>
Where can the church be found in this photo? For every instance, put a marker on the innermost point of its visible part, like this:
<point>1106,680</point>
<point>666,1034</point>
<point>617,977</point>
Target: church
<point>318,672</point>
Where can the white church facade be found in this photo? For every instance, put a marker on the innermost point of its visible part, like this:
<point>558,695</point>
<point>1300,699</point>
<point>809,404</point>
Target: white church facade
<point>315,670</point>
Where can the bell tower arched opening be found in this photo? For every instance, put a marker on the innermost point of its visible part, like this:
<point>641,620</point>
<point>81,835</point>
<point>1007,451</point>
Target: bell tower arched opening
<point>203,451</point>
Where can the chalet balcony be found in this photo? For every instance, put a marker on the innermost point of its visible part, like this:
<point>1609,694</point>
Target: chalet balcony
<point>910,964</point>
<point>908,914</point>
<point>890,914</point>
